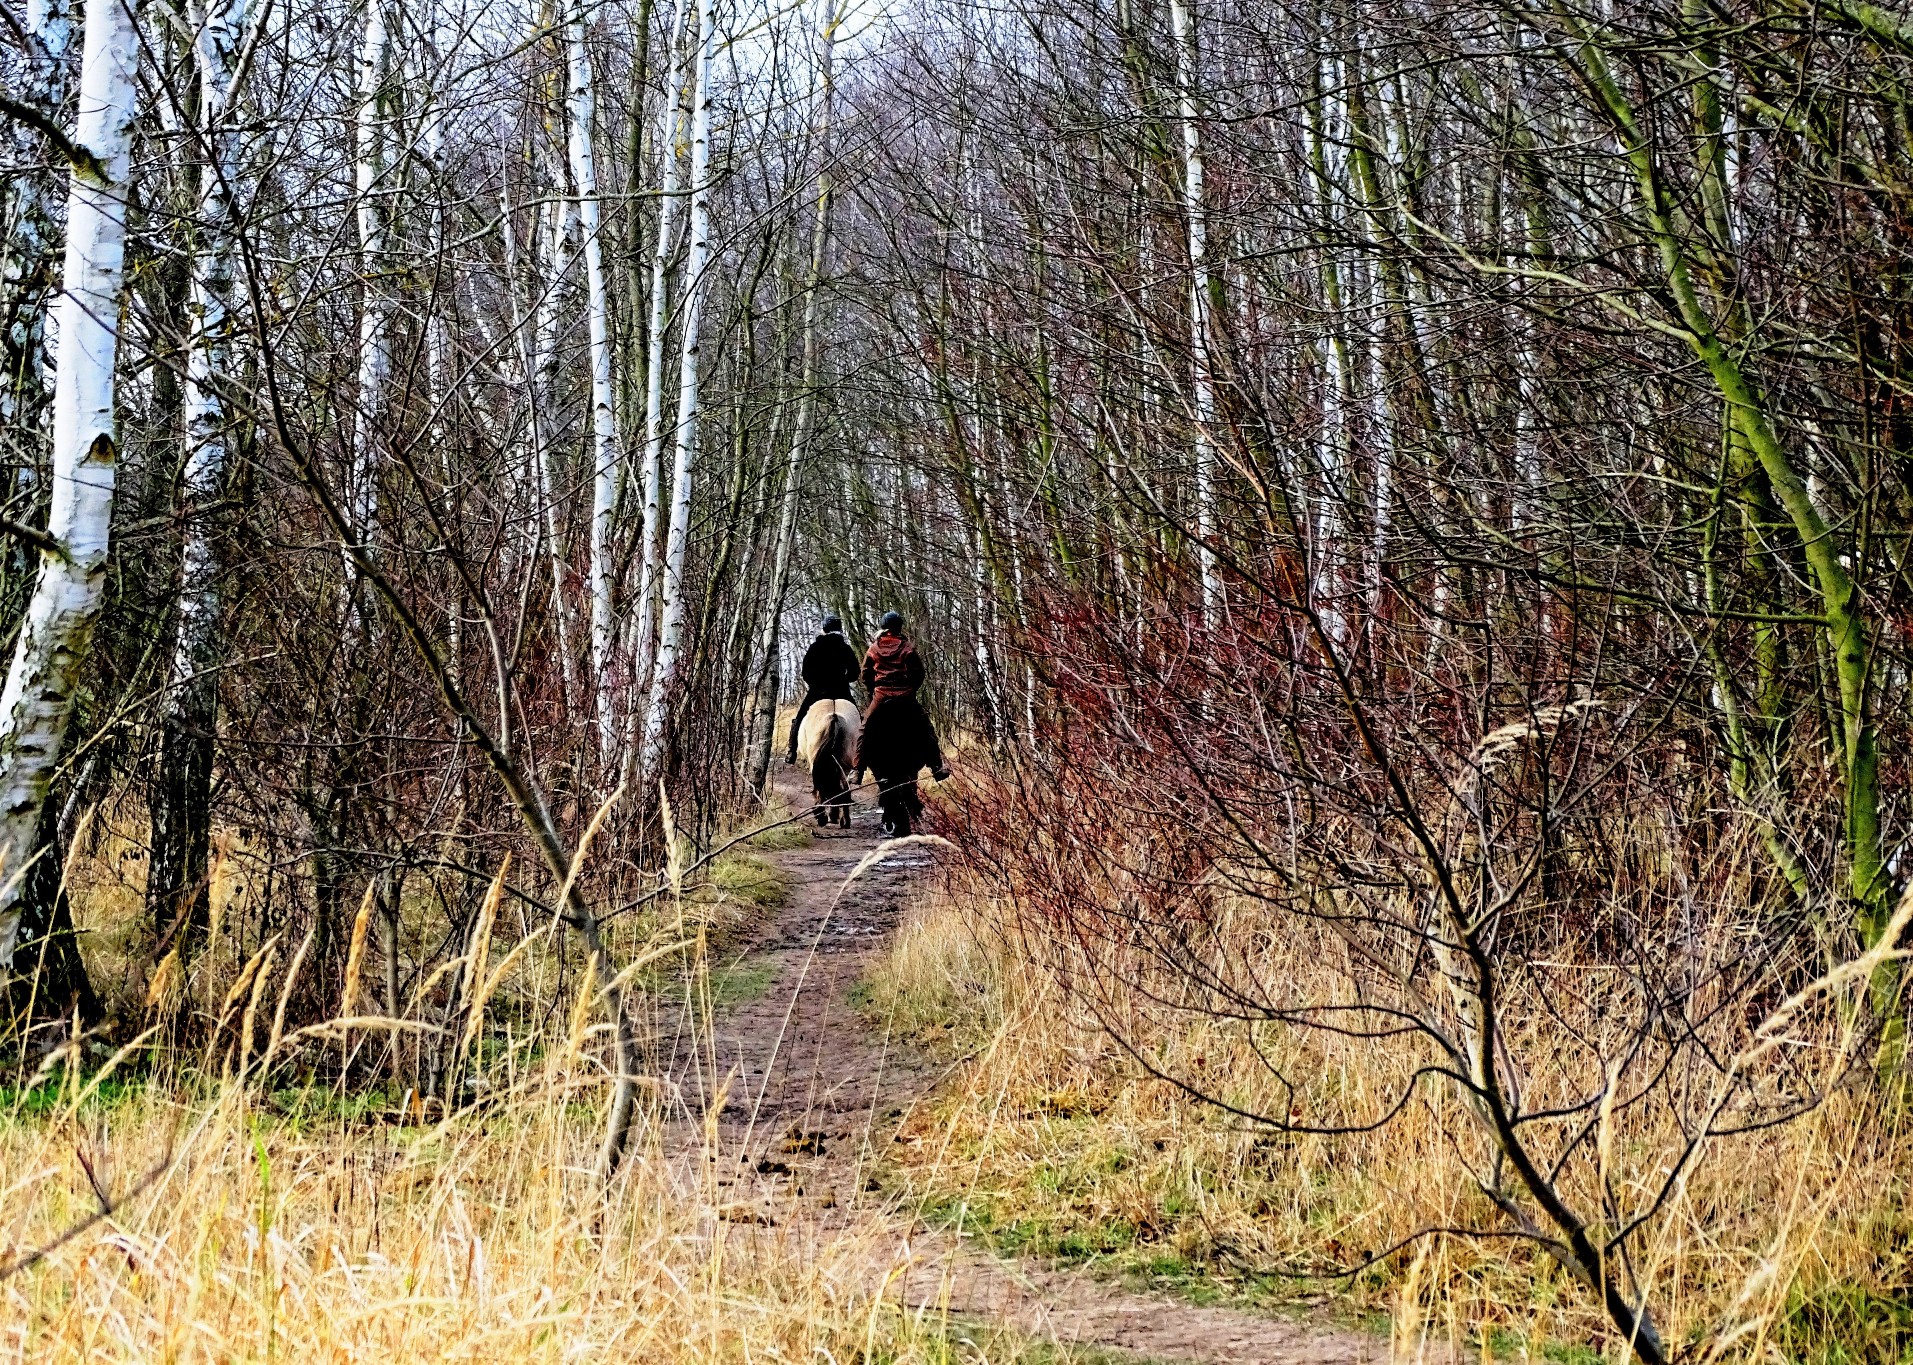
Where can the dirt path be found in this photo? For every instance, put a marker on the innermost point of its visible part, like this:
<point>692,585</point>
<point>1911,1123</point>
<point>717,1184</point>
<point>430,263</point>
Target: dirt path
<point>810,1091</point>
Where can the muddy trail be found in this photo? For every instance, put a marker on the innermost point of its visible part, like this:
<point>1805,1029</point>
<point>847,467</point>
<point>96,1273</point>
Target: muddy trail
<point>800,1093</point>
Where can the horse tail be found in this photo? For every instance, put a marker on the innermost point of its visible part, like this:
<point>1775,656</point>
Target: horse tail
<point>826,769</point>
<point>850,734</point>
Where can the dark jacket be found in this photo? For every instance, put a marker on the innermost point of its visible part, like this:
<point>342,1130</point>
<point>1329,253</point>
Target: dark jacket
<point>892,668</point>
<point>830,666</point>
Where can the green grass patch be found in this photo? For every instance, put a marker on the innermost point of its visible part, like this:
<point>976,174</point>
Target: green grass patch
<point>28,1104</point>
<point>738,983</point>
<point>776,839</point>
<point>730,984</point>
<point>956,1339</point>
<point>1115,1249</point>
<point>1846,1324</point>
<point>747,879</point>
<point>299,1107</point>
<point>1025,1234</point>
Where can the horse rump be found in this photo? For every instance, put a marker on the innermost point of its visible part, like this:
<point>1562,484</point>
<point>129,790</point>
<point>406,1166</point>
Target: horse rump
<point>825,743</point>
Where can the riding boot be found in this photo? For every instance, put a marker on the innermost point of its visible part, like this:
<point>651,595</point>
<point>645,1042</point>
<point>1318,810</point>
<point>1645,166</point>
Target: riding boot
<point>933,751</point>
<point>796,724</point>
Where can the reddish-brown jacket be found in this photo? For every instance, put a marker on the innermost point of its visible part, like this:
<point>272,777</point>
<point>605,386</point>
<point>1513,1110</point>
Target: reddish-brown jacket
<point>892,668</point>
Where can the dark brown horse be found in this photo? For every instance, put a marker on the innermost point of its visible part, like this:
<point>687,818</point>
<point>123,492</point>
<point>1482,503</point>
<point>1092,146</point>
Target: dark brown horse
<point>898,743</point>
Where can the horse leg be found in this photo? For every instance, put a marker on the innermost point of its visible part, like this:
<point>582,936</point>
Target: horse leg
<point>896,809</point>
<point>840,765</point>
<point>909,806</point>
<point>826,772</point>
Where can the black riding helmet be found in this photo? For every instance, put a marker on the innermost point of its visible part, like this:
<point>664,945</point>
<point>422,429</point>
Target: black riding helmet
<point>891,621</point>
<point>833,626</point>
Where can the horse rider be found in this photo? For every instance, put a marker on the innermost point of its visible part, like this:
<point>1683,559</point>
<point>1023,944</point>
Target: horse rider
<point>896,728</point>
<point>830,667</point>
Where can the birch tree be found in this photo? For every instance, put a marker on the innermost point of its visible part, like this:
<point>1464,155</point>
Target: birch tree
<point>691,310</point>
<point>643,615</point>
<point>54,639</point>
<point>1201,306</point>
<point>176,894</point>
<point>554,233</point>
<point>375,358</point>
<point>33,240</point>
<point>604,429</point>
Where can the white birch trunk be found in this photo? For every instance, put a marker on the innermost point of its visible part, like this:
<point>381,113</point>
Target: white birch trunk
<point>1201,330</point>
<point>748,571</point>
<point>57,632</point>
<point>523,482</point>
<point>33,236</point>
<point>442,387</point>
<point>1381,435</point>
<point>766,688</point>
<point>1524,503</point>
<point>1384,413</point>
<point>988,671</point>
<point>697,259</point>
<point>993,457</point>
<point>1335,438</point>
<point>557,219</point>
<point>1527,462</point>
<point>375,359</point>
<point>179,803</point>
<point>604,422</point>
<point>644,614</point>
<point>1328,533</point>
<point>196,646</point>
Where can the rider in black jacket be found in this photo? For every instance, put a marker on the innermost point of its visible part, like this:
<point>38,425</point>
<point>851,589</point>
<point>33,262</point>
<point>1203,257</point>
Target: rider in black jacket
<point>830,667</point>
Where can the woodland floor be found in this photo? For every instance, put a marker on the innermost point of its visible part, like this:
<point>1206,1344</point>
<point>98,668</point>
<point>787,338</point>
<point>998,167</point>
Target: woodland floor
<point>812,1092</point>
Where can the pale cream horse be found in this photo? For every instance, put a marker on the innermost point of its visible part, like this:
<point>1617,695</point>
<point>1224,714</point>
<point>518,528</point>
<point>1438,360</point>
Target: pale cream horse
<point>825,745</point>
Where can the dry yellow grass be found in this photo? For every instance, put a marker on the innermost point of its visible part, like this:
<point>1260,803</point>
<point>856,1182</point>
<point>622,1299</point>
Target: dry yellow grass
<point>286,1220</point>
<point>1790,1244</point>
<point>301,1225</point>
<point>340,1241</point>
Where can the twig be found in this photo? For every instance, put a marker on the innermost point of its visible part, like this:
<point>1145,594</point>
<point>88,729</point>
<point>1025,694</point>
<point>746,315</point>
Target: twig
<point>32,535</point>
<point>36,118</point>
<point>27,1260</point>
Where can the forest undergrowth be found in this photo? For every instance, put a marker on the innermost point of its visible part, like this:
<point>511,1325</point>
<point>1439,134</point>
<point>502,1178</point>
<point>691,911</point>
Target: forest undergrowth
<point>1055,1139</point>
<point>270,1198</point>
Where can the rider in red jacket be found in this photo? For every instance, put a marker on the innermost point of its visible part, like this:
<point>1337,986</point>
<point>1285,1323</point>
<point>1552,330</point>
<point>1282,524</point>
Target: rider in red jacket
<point>896,729</point>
